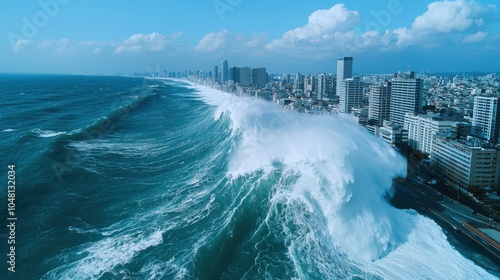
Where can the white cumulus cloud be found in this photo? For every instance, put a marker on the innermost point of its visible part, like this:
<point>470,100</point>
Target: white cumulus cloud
<point>458,21</point>
<point>459,15</point>
<point>20,44</point>
<point>323,25</point>
<point>476,37</point>
<point>213,41</point>
<point>336,31</point>
<point>154,42</point>
<point>62,46</point>
<point>97,51</point>
<point>228,41</point>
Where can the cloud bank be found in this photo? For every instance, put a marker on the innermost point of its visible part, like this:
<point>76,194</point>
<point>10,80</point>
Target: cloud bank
<point>328,33</point>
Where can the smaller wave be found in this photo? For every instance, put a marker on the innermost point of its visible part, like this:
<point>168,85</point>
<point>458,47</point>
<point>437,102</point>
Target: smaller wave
<point>46,133</point>
<point>106,124</point>
<point>82,231</point>
<point>104,256</point>
<point>8,130</point>
<point>105,146</point>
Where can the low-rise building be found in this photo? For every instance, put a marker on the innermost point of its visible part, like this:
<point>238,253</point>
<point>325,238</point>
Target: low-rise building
<point>393,134</point>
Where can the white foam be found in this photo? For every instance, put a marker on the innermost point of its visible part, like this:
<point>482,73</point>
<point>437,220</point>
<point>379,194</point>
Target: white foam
<point>105,255</point>
<point>157,270</point>
<point>8,130</point>
<point>345,175</point>
<point>47,133</point>
<point>82,231</point>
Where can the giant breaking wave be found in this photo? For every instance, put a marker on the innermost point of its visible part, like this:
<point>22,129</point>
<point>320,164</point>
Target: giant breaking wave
<point>333,211</point>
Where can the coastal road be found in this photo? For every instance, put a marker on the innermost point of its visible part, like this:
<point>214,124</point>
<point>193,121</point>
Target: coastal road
<point>433,204</point>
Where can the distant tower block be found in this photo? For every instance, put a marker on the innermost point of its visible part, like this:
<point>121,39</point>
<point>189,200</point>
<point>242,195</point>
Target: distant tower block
<point>216,74</point>
<point>344,71</point>
<point>225,72</point>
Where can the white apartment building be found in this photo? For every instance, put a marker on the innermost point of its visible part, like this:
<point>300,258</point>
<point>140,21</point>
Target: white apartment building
<point>422,128</point>
<point>394,135</point>
<point>380,104</point>
<point>351,94</point>
<point>486,118</point>
<point>406,96</point>
<point>465,164</point>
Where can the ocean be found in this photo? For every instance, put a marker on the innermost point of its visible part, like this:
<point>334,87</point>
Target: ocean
<point>134,178</point>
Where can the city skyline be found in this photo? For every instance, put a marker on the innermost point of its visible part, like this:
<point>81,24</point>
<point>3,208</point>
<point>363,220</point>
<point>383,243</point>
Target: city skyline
<point>63,36</point>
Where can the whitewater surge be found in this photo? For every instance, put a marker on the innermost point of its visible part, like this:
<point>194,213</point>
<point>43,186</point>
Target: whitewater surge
<point>334,212</point>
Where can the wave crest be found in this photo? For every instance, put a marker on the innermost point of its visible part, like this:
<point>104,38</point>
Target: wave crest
<point>345,172</point>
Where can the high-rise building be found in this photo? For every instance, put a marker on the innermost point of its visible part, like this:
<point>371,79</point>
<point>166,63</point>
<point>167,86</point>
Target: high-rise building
<point>259,76</point>
<point>299,82</point>
<point>422,128</point>
<point>322,86</point>
<point>232,74</point>
<point>406,96</point>
<point>310,85</point>
<point>379,108</point>
<point>344,71</point>
<point>325,86</point>
<point>286,78</point>
<point>216,74</point>
<point>225,72</point>
<point>241,75</point>
<point>486,118</point>
<point>351,94</point>
<point>245,76</point>
<point>334,87</point>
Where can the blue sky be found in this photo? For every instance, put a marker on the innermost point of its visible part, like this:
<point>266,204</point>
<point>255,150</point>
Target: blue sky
<point>71,36</point>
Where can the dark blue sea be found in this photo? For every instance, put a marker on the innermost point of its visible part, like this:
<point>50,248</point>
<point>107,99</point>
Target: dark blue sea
<point>134,178</point>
